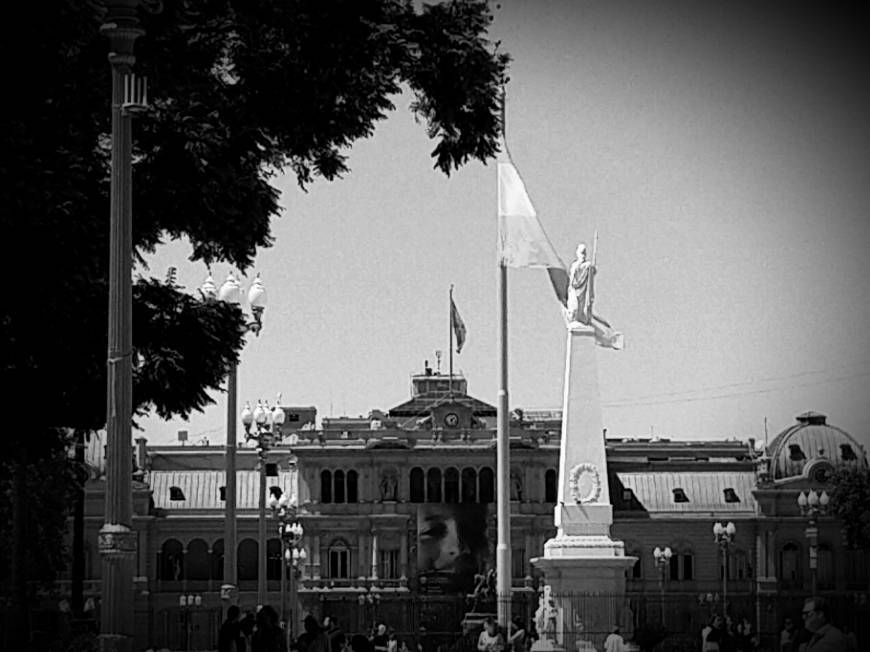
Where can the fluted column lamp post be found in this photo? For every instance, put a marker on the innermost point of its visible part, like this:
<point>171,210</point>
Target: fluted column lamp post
<point>813,505</point>
<point>231,292</point>
<point>724,537</point>
<point>663,561</point>
<point>266,425</point>
<point>117,539</point>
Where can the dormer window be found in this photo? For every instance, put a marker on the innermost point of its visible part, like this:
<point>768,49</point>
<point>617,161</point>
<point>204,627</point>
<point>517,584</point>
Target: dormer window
<point>175,493</point>
<point>847,453</point>
<point>272,470</point>
<point>276,492</point>
<point>680,496</point>
<point>795,454</point>
<point>223,492</point>
<point>731,495</point>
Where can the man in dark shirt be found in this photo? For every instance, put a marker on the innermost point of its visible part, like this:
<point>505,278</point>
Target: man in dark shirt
<point>230,637</point>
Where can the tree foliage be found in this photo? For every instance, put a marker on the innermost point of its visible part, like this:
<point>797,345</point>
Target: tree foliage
<point>239,91</point>
<point>850,502</point>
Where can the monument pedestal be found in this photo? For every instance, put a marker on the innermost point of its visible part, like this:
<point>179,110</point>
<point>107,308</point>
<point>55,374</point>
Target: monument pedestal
<point>584,569</point>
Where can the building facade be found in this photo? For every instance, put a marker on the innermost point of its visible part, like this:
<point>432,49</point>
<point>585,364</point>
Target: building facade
<point>370,490</point>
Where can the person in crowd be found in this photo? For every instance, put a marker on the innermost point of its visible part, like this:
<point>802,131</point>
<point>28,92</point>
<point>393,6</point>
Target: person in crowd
<point>230,637</point>
<point>247,625</point>
<point>718,638</point>
<point>334,633</point>
<point>268,635</point>
<point>851,638</point>
<point>379,640</point>
<point>614,641</point>
<point>787,636</point>
<point>490,639</point>
<point>392,641</point>
<point>425,643</point>
<point>313,639</point>
<point>517,636</point>
<point>824,637</point>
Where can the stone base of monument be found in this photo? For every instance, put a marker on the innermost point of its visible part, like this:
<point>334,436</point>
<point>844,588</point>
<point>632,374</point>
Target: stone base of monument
<point>587,587</point>
<point>473,621</point>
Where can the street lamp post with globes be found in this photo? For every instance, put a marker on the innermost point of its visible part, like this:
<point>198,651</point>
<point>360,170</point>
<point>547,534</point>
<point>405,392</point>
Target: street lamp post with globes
<point>813,505</point>
<point>231,292</point>
<point>293,556</point>
<point>267,426</point>
<point>724,537</point>
<point>663,561</point>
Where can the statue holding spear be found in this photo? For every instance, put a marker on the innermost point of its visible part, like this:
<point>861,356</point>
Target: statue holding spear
<point>581,297</point>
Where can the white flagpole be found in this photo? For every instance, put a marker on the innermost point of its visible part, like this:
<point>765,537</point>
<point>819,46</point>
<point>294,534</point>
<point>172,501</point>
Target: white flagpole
<point>503,505</point>
<point>450,392</point>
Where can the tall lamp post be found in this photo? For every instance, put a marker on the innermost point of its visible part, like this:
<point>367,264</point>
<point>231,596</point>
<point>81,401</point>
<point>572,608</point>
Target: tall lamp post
<point>813,505</point>
<point>724,537</point>
<point>267,425</point>
<point>231,292</point>
<point>293,555</point>
<point>117,540</point>
<point>663,562</point>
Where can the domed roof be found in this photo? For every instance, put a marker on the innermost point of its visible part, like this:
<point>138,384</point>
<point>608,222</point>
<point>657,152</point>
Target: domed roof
<point>813,448</point>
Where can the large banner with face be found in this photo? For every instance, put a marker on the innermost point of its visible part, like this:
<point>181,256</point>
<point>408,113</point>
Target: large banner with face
<point>452,545</point>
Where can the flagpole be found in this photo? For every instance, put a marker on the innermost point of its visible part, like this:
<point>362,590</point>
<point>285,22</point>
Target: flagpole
<point>503,547</point>
<point>450,329</point>
<point>503,505</point>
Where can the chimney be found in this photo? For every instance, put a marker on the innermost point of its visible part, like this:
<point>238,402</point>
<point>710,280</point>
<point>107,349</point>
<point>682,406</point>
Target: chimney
<point>141,453</point>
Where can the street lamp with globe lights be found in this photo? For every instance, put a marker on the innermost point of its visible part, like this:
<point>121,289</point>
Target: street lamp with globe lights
<point>231,292</point>
<point>724,537</point>
<point>663,561</point>
<point>812,505</point>
<point>263,425</point>
<point>293,553</point>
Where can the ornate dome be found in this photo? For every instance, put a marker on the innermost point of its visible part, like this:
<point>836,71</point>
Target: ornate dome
<point>813,449</point>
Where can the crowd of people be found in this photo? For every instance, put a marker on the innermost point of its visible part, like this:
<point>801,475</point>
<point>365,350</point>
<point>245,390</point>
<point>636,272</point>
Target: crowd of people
<point>262,632</point>
<point>816,633</point>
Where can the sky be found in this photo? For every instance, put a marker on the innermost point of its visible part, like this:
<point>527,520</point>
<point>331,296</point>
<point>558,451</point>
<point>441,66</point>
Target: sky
<point>721,152</point>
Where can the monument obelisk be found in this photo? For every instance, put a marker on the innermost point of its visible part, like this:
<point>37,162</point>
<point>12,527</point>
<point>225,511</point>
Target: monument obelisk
<point>584,568</point>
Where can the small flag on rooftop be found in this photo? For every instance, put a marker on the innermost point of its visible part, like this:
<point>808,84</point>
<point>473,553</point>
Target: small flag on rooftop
<point>458,325</point>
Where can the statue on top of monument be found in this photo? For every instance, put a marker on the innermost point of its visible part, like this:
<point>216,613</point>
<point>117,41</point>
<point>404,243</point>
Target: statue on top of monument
<point>581,297</point>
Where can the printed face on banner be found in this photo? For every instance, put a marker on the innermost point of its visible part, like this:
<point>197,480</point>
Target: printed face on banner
<point>452,543</point>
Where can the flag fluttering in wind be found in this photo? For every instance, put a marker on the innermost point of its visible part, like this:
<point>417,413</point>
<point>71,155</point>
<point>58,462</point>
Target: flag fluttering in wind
<point>458,325</point>
<point>522,241</point>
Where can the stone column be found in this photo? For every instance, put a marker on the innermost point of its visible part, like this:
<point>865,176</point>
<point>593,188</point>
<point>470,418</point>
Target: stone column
<point>584,568</point>
<point>314,546</point>
<point>403,556</point>
<point>374,574</point>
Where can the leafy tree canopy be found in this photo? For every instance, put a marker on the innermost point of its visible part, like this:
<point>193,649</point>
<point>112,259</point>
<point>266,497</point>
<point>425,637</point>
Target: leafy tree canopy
<point>850,501</point>
<point>240,89</point>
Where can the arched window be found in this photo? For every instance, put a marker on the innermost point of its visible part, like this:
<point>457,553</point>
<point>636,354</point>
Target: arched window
<point>790,565</point>
<point>469,485</point>
<point>857,563</point>
<point>352,491</point>
<point>451,485</point>
<point>487,485</point>
<point>171,564</point>
<point>416,485</point>
<point>217,560</point>
<point>825,568</point>
<point>688,565</point>
<point>338,487</point>
<point>197,561</point>
<point>550,490</point>
<point>246,562</point>
<point>636,571</point>
<point>273,559</point>
<point>739,566</point>
<point>338,560</point>
<point>674,568</point>
<point>433,486</point>
<point>325,486</point>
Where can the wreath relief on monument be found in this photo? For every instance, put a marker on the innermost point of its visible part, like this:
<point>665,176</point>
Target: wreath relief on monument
<point>584,483</point>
